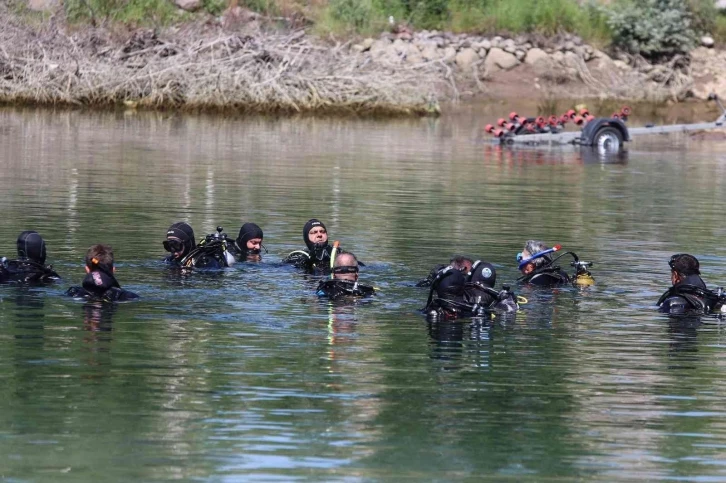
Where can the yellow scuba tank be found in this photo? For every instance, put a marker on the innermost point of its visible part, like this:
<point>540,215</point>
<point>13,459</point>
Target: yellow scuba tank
<point>584,279</point>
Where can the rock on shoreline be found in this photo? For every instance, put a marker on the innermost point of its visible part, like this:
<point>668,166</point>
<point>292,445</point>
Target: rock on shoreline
<point>557,67</point>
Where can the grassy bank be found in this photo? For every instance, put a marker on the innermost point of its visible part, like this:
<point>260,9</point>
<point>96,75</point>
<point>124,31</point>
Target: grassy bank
<point>590,19</point>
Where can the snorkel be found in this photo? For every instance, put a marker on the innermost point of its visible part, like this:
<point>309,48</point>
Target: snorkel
<point>524,261</point>
<point>336,244</point>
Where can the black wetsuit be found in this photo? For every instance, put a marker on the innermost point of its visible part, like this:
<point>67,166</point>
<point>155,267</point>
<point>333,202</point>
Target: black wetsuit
<point>426,282</point>
<point>478,295</point>
<point>546,277</point>
<point>99,285</point>
<point>689,296</point>
<point>446,298</point>
<point>315,260</point>
<point>479,287</point>
<point>26,271</point>
<point>335,289</point>
<point>482,299</point>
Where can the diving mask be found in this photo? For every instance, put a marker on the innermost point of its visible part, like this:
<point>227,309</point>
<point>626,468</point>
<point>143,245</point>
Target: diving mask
<point>345,269</point>
<point>173,246</point>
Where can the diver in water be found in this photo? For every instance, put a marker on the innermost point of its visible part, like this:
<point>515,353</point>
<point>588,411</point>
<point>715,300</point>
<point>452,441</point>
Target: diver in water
<point>345,280</point>
<point>468,294</point>
<point>316,259</point>
<point>539,268</point>
<point>211,252</point>
<point>446,296</point>
<point>689,294</point>
<point>179,242</point>
<point>248,244</point>
<point>30,265</point>
<point>100,282</point>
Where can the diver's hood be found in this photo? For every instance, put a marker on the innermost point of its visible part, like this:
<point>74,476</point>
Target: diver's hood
<point>483,273</point>
<point>31,246</point>
<point>184,232</point>
<point>249,231</point>
<point>312,223</point>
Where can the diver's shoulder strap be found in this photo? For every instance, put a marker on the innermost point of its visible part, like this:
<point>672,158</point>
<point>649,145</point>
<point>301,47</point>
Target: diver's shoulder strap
<point>215,249</point>
<point>481,288</point>
<point>552,272</point>
<point>698,297</point>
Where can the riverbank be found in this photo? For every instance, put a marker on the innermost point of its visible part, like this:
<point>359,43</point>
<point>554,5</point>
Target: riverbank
<point>237,62</point>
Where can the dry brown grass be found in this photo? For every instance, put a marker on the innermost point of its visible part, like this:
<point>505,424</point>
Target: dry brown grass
<point>202,67</point>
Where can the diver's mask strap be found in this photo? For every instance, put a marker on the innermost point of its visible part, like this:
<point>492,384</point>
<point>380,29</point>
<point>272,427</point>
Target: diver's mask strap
<point>473,268</point>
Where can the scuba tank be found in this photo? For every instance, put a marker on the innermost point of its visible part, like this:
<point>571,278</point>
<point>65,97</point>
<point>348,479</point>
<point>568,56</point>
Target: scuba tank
<point>582,274</point>
<point>212,247</point>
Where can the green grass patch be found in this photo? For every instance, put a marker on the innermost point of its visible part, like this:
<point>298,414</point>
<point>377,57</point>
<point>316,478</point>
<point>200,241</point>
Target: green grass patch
<point>547,17</point>
<point>137,12</point>
<point>719,29</point>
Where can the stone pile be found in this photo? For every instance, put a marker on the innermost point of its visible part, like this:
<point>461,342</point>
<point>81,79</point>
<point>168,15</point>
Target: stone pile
<point>465,50</point>
<point>560,60</point>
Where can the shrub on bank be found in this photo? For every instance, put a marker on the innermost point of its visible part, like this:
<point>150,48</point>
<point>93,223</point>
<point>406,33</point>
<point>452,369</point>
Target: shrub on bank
<point>652,28</point>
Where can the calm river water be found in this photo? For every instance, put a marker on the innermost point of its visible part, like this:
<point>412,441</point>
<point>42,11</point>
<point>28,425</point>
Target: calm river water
<point>246,375</point>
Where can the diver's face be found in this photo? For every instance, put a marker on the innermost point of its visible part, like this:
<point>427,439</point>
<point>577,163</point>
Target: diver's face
<point>254,245</point>
<point>174,246</point>
<point>527,269</point>
<point>346,276</point>
<point>318,235</point>
<point>675,278</point>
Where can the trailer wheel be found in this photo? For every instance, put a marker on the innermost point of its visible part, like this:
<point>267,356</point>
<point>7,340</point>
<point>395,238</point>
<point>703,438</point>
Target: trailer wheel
<point>608,139</point>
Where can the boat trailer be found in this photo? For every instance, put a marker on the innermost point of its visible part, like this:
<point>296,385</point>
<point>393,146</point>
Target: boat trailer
<point>606,134</point>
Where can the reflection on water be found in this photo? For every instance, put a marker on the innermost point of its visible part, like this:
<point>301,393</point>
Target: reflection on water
<point>246,374</point>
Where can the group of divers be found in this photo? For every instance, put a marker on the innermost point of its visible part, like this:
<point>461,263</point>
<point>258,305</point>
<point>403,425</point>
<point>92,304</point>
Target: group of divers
<point>463,288</point>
